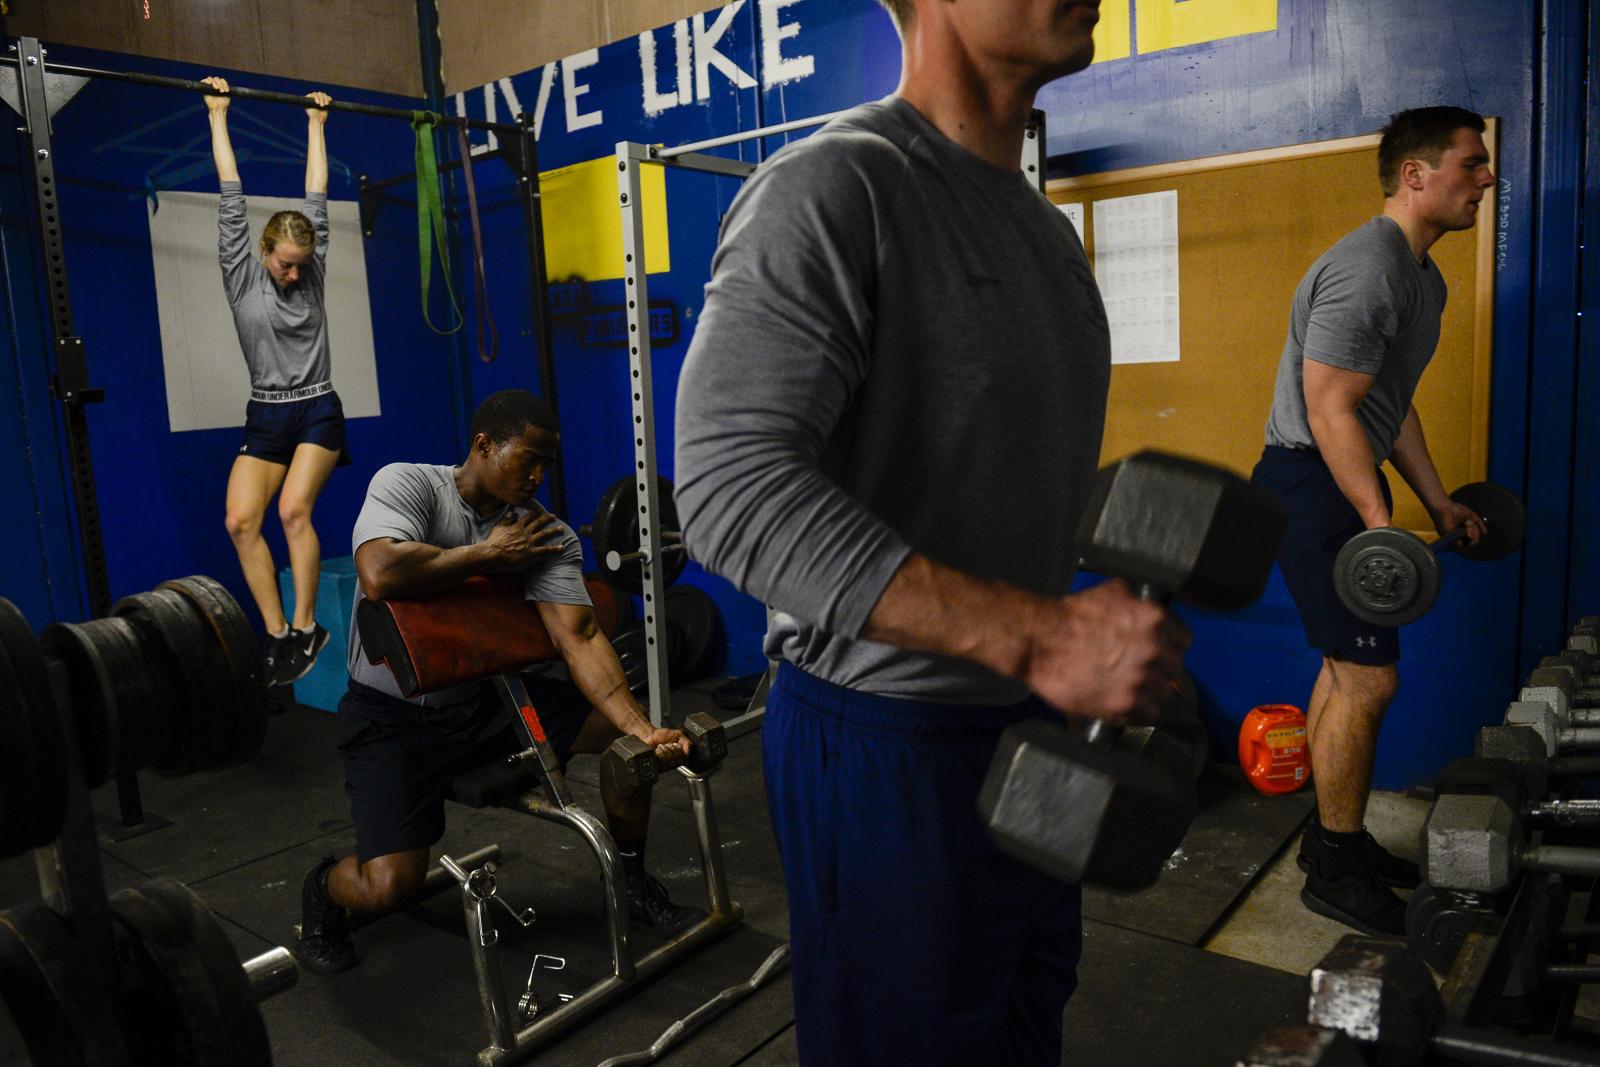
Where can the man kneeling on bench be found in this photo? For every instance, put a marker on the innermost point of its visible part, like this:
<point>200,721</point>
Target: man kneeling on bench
<point>424,528</point>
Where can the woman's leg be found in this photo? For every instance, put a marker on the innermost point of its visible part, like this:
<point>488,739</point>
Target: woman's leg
<point>251,484</point>
<point>308,473</point>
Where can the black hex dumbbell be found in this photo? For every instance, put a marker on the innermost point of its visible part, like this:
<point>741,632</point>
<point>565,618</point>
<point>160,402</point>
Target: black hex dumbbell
<point>1077,805</point>
<point>630,765</point>
<point>1524,746</point>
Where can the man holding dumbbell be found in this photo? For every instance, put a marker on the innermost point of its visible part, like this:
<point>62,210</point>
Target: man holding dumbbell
<point>888,426</point>
<point>424,528</point>
<point>1362,329</point>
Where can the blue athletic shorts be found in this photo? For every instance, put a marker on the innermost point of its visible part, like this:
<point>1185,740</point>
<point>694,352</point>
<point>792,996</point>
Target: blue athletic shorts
<point>1321,520</point>
<point>399,758</point>
<point>273,431</point>
<point>914,940</point>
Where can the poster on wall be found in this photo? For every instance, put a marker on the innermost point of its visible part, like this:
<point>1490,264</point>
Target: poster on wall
<point>207,382</point>
<point>1136,264</point>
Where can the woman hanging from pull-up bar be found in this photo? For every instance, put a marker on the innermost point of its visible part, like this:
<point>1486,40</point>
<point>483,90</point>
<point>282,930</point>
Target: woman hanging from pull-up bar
<point>294,423</point>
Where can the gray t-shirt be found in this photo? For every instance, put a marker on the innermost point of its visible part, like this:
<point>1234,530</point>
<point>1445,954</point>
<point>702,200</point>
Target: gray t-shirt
<point>902,348</point>
<point>283,332</point>
<point>420,502</point>
<point>1367,305</point>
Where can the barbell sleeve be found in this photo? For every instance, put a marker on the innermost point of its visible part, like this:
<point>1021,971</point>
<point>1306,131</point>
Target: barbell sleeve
<point>271,973</point>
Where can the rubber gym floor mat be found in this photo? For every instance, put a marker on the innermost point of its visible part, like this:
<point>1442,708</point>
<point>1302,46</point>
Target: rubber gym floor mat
<point>1234,837</point>
<point>291,792</point>
<point>1146,1001</point>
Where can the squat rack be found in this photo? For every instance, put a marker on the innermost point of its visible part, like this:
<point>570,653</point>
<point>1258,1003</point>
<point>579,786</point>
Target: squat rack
<point>631,155</point>
<point>70,381</point>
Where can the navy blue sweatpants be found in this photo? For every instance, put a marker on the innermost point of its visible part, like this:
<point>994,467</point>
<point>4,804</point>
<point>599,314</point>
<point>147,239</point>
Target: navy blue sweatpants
<point>914,940</point>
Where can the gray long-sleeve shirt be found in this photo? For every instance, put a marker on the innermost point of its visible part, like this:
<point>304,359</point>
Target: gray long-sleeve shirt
<point>283,332</point>
<point>902,348</point>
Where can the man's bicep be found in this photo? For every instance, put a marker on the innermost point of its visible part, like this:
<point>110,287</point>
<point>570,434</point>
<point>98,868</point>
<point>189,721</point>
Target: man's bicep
<point>1333,389</point>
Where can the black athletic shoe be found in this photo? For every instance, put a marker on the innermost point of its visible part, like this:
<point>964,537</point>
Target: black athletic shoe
<point>1391,870</point>
<point>1357,899</point>
<point>324,945</point>
<point>648,903</point>
<point>272,656</point>
<point>299,654</point>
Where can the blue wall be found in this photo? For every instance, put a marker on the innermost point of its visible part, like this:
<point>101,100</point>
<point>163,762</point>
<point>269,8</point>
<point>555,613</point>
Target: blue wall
<point>1332,68</point>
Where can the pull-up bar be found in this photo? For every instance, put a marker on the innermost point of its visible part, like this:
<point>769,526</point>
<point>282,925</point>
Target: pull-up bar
<point>270,97</point>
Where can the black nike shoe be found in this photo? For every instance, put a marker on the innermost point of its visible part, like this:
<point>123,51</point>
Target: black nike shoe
<point>299,653</point>
<point>1357,899</point>
<point>324,945</point>
<point>648,903</point>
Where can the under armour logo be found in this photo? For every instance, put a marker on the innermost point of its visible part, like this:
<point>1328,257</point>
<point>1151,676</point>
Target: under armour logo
<point>1366,642</point>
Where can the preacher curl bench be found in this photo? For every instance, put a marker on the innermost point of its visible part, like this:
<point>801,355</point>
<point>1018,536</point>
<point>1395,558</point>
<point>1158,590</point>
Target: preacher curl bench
<point>481,629</point>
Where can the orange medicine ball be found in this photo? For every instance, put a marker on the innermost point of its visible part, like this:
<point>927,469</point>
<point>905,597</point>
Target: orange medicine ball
<point>1272,748</point>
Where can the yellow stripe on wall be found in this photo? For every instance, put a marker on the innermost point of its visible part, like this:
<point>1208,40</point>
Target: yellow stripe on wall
<point>1113,33</point>
<point>583,222</point>
<point>1174,23</point>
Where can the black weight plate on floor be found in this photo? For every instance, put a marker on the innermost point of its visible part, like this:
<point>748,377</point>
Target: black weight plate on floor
<point>45,981</point>
<point>172,654</point>
<point>1502,514</point>
<point>234,996</point>
<point>1435,930</point>
<point>188,653</point>
<point>171,1010</point>
<point>616,529</point>
<point>1386,577</point>
<point>694,610</point>
<point>629,644</point>
<point>121,649</point>
<point>33,755</point>
<point>246,727</point>
<point>94,697</point>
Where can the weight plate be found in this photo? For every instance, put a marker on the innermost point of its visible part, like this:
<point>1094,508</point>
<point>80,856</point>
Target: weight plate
<point>616,529</point>
<point>121,649</point>
<point>247,728</point>
<point>169,1006</point>
<point>1386,577</point>
<point>1503,516</point>
<point>33,755</point>
<point>692,615</point>
<point>63,1015</point>
<point>93,696</point>
<point>187,653</point>
<point>178,693</point>
<point>240,1011</point>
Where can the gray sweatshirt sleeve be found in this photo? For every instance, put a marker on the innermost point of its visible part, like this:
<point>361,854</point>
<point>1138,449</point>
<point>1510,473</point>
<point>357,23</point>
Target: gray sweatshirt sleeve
<point>316,209</point>
<point>233,242</point>
<point>783,345</point>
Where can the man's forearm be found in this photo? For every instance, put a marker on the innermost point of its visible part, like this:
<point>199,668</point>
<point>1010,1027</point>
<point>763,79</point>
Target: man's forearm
<point>597,673</point>
<point>1411,458</point>
<point>1347,452</point>
<point>929,607</point>
<point>414,569</point>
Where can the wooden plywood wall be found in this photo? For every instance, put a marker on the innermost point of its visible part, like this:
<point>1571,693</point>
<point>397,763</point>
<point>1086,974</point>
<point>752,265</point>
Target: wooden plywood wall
<point>483,40</point>
<point>367,44</point>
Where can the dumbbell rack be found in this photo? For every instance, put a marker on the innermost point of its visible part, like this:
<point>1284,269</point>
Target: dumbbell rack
<point>70,970</point>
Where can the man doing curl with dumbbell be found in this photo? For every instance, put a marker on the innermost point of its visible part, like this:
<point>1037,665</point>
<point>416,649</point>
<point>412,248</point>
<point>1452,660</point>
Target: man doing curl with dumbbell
<point>1362,329</point>
<point>424,528</point>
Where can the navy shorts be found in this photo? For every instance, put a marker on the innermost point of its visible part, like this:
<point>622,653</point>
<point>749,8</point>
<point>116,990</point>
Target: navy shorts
<point>1321,520</point>
<point>914,940</point>
<point>273,431</point>
<point>399,758</point>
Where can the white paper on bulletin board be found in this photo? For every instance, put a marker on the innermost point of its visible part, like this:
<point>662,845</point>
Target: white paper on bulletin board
<point>1136,264</point>
<point>1074,214</point>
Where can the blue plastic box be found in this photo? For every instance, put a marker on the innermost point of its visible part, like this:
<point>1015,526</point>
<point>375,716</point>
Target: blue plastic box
<point>329,676</point>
